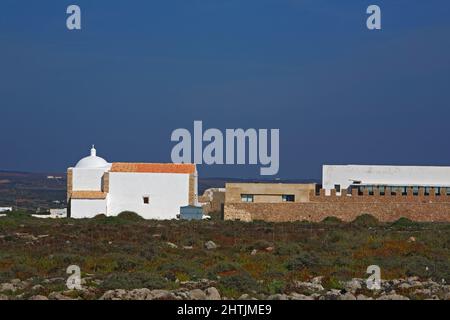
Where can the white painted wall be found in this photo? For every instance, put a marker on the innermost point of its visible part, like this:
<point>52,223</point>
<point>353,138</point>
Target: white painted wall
<point>87,208</point>
<point>87,179</point>
<point>167,193</point>
<point>5,209</point>
<point>384,175</point>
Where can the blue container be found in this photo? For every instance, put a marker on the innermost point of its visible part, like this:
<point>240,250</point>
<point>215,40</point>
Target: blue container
<point>191,213</point>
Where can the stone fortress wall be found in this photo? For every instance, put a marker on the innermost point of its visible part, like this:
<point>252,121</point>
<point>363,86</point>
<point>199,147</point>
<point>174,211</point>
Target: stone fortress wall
<point>416,204</point>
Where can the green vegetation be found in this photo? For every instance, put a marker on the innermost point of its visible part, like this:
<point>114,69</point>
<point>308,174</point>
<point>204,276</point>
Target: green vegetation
<point>129,252</point>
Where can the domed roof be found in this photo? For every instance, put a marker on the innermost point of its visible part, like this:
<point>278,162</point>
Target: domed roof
<point>92,161</point>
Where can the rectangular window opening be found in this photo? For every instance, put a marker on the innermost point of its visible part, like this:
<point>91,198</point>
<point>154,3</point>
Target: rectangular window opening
<point>288,198</point>
<point>246,197</point>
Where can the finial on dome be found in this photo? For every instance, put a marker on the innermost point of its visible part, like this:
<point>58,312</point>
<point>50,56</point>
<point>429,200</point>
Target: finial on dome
<point>93,151</point>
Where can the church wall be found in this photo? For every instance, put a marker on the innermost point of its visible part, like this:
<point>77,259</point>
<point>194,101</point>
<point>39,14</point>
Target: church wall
<point>87,208</point>
<point>167,192</point>
<point>87,179</point>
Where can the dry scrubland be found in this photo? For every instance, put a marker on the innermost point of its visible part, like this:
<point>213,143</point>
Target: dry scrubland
<point>258,258</point>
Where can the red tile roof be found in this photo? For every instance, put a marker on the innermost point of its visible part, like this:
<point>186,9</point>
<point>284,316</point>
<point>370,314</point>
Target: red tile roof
<point>153,167</point>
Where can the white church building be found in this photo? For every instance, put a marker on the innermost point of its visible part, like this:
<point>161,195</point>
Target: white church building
<point>152,190</point>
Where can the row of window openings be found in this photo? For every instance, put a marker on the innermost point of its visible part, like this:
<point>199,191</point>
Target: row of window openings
<point>392,190</point>
<point>284,198</point>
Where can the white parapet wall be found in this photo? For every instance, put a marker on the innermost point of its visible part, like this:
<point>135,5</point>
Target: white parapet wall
<point>346,175</point>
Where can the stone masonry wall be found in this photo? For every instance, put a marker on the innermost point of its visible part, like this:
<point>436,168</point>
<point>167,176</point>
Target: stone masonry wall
<point>387,207</point>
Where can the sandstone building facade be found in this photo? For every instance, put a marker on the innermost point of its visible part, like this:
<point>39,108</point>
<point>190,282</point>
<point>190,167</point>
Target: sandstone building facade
<point>386,192</point>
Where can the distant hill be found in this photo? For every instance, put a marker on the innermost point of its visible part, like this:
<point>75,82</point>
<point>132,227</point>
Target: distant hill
<point>30,190</point>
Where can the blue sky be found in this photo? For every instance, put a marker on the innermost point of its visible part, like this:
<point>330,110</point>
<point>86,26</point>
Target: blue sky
<point>137,70</point>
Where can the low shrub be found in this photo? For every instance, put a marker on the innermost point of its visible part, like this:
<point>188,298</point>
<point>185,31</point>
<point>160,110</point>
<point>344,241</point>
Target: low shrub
<point>129,216</point>
<point>332,220</point>
<point>365,220</point>
<point>259,245</point>
<point>240,283</point>
<point>404,223</point>
<point>276,286</point>
<point>133,280</point>
<point>302,260</point>
<point>287,249</point>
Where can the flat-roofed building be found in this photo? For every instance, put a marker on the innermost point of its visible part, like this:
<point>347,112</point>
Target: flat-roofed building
<point>395,179</point>
<point>267,192</point>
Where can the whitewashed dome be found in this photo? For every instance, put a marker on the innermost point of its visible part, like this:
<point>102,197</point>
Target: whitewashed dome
<point>92,161</point>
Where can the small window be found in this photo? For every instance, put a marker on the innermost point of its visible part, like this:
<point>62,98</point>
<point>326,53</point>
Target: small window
<point>370,189</point>
<point>146,200</point>
<point>427,191</point>
<point>404,191</point>
<point>437,191</point>
<point>393,191</point>
<point>382,190</point>
<point>337,187</point>
<point>247,197</point>
<point>361,190</point>
<point>288,198</point>
<point>415,190</point>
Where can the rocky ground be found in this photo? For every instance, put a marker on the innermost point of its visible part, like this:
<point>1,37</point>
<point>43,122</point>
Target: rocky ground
<point>126,257</point>
<point>399,289</point>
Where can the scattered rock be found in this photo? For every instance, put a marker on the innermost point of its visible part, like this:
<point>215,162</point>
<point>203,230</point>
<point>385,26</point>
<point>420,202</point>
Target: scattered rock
<point>7,287</point>
<point>404,285</point>
<point>269,249</point>
<point>277,296</point>
<point>116,294</point>
<point>162,295</point>
<point>308,286</point>
<point>139,294</point>
<point>333,294</point>
<point>245,296</point>
<point>393,297</point>
<point>412,239</point>
<point>317,280</point>
<point>347,296</point>
<point>298,296</point>
<point>58,296</point>
<point>210,245</point>
<point>212,294</point>
<point>3,297</point>
<point>254,251</point>
<point>353,285</point>
<point>53,280</point>
<point>37,287</point>
<point>38,297</point>
<point>26,236</point>
<point>172,245</point>
<point>197,294</point>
